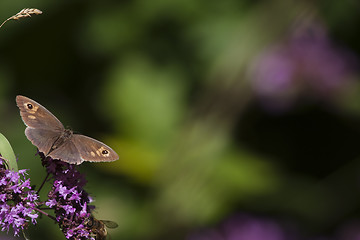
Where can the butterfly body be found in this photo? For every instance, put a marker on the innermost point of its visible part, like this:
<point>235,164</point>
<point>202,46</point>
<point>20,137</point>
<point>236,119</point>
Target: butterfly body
<point>65,135</point>
<point>48,134</point>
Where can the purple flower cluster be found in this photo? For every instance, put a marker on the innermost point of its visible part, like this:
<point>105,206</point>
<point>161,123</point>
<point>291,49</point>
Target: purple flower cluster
<point>308,63</point>
<point>68,199</point>
<point>244,227</point>
<point>17,200</point>
<point>248,227</point>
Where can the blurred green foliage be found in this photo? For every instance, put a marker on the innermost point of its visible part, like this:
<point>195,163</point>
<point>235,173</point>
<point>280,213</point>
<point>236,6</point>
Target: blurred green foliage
<point>166,84</point>
<point>7,153</point>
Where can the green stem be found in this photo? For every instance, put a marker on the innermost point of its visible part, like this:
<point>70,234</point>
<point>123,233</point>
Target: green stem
<point>46,214</point>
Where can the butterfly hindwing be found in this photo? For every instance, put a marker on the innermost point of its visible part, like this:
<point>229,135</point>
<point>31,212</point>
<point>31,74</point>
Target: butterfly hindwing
<point>42,138</point>
<point>67,152</point>
<point>93,150</point>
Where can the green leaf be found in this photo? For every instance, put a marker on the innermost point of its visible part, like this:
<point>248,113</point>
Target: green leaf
<point>7,153</point>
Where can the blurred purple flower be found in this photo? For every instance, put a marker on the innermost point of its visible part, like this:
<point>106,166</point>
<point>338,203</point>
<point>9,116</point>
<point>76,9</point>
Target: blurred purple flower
<point>307,63</point>
<point>17,200</point>
<point>69,199</point>
<point>243,227</point>
<point>349,231</point>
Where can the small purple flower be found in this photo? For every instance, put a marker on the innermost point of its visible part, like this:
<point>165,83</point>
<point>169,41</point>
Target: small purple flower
<point>17,200</point>
<point>63,191</point>
<point>50,203</point>
<point>308,63</point>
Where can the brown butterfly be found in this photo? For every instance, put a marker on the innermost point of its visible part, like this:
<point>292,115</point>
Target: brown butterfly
<point>48,134</point>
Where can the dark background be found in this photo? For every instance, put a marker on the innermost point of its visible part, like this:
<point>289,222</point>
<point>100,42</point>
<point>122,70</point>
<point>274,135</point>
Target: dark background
<point>169,85</point>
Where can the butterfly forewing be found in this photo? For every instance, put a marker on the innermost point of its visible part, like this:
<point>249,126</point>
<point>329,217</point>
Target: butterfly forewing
<point>36,116</point>
<point>93,150</point>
